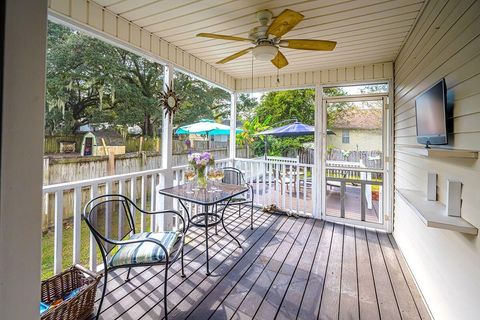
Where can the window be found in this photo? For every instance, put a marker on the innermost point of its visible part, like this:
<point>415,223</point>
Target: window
<point>345,136</point>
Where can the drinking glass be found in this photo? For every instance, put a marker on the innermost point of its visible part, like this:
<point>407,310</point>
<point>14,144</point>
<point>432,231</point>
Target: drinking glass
<point>189,175</point>
<point>211,175</point>
<point>219,175</point>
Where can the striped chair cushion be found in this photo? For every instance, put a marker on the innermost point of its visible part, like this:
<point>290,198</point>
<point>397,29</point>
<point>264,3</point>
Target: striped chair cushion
<point>144,252</point>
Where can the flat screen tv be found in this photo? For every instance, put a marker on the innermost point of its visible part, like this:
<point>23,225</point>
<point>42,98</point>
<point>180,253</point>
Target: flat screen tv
<point>432,115</point>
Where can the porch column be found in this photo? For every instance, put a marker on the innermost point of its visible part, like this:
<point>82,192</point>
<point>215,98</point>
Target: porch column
<point>22,65</point>
<point>233,127</point>
<point>320,123</point>
<point>166,179</point>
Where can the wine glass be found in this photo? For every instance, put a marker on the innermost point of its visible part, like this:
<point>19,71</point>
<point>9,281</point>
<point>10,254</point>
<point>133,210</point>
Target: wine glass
<point>211,175</point>
<point>219,175</point>
<point>189,175</point>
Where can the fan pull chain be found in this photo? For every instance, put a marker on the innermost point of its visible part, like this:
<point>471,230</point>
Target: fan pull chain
<point>278,77</point>
<point>252,73</point>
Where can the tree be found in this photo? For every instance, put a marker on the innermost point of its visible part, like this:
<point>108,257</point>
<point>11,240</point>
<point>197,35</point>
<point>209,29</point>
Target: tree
<point>80,75</point>
<point>246,106</point>
<point>248,137</point>
<point>289,104</point>
<point>199,100</point>
<point>138,88</point>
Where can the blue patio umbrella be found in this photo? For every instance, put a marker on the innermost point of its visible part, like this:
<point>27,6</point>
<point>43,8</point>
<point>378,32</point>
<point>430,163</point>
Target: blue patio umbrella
<point>294,129</point>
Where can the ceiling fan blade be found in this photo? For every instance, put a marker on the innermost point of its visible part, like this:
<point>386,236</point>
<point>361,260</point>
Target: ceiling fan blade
<point>234,56</point>
<point>222,37</point>
<point>284,22</point>
<point>305,44</point>
<point>279,61</point>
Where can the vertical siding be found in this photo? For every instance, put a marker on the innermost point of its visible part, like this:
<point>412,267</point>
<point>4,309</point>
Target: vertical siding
<point>445,43</point>
<point>94,16</point>
<point>360,73</point>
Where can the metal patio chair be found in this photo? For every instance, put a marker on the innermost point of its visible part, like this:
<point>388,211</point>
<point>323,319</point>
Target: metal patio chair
<point>233,175</point>
<point>110,219</point>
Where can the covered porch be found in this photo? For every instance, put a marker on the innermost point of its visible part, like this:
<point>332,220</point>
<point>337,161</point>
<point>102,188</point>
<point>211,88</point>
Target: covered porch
<point>335,250</point>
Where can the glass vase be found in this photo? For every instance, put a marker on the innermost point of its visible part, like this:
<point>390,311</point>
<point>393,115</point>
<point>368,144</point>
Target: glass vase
<point>201,178</point>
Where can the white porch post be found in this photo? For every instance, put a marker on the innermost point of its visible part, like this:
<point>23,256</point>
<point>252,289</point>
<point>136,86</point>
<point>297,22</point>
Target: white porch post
<point>166,179</point>
<point>317,188</point>
<point>21,115</point>
<point>233,127</point>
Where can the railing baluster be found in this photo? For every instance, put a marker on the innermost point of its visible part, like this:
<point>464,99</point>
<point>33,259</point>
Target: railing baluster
<point>58,233</point>
<point>297,179</point>
<point>152,202</point>
<point>282,189</point>
<point>121,190</point>
<point>257,182</point>
<point>108,211</point>
<point>293,185</point>
<point>305,188</point>
<point>342,199</point>
<point>133,197</point>
<point>362,201</point>
<point>142,203</point>
<point>93,244</point>
<point>77,223</point>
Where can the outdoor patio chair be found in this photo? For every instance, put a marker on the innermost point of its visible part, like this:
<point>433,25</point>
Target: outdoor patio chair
<point>235,176</point>
<point>111,220</point>
<point>284,179</point>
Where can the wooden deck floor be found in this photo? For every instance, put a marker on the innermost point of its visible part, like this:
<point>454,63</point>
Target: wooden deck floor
<point>287,269</point>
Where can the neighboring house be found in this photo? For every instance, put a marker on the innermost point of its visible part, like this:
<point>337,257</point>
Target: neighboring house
<point>357,130</point>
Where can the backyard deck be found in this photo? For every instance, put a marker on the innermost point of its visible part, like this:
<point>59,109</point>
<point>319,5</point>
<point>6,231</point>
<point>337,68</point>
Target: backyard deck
<point>304,202</point>
<point>288,269</point>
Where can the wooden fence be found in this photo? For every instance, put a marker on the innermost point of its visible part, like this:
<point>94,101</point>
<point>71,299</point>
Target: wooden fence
<point>371,159</point>
<point>132,144</point>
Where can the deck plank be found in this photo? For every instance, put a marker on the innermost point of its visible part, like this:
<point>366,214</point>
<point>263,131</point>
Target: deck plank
<point>183,294</point>
<point>136,296</point>
<point>215,295</point>
<point>417,297</point>
<point>242,277</point>
<point>311,301</point>
<point>278,287</point>
<point>408,309</point>
<point>366,287</point>
<point>293,298</point>
<point>253,299</point>
<point>117,289</point>
<point>387,303</point>
<point>288,269</point>
<point>330,305</point>
<point>349,290</point>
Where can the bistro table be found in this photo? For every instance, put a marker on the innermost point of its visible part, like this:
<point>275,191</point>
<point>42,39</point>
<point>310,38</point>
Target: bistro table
<point>205,197</point>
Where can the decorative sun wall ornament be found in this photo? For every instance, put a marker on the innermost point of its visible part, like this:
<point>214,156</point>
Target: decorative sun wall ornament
<point>170,101</point>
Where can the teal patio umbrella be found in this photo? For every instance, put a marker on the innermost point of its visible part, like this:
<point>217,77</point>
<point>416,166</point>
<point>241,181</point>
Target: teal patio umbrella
<point>206,127</point>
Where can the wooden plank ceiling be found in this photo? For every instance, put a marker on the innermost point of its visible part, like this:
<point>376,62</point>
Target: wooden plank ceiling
<point>366,31</point>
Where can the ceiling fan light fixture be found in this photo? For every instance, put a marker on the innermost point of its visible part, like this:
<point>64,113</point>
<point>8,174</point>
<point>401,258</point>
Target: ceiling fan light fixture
<point>265,52</point>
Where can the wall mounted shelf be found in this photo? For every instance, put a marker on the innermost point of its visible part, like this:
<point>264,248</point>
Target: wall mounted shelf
<point>440,152</point>
<point>432,213</point>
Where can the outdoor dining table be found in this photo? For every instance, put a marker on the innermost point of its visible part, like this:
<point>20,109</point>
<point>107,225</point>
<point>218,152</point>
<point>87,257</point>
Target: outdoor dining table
<point>206,198</point>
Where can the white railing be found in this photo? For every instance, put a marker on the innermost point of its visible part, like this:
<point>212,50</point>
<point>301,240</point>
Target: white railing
<point>286,184</point>
<point>138,185</point>
<point>70,198</point>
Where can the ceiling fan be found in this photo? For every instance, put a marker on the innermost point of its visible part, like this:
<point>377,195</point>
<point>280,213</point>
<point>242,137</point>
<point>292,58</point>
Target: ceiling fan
<point>267,38</point>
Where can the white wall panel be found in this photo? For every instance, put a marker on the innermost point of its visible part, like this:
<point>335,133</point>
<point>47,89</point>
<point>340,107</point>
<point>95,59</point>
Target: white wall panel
<point>362,73</point>
<point>445,43</point>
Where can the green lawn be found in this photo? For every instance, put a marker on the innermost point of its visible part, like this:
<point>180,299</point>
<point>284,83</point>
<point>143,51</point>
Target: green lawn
<point>67,247</point>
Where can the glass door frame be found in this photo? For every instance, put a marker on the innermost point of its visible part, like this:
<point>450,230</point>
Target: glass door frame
<point>387,142</point>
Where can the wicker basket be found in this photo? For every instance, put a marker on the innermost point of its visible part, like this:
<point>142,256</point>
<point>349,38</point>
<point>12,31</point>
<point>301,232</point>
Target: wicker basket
<point>79,307</point>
